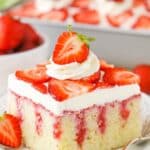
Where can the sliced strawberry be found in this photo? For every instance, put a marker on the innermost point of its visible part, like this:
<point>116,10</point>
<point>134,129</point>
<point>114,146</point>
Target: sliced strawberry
<point>137,3</point>
<point>143,71</point>
<point>70,48</point>
<point>11,33</point>
<point>119,1</point>
<point>118,20</point>
<point>43,65</point>
<point>81,3</point>
<point>87,16</point>
<point>104,65</point>
<point>10,131</point>
<point>147,4</point>
<point>26,10</point>
<point>94,78</point>
<point>143,22</point>
<point>56,15</point>
<point>120,76</point>
<point>40,87</point>
<point>102,85</point>
<point>64,89</point>
<point>36,75</point>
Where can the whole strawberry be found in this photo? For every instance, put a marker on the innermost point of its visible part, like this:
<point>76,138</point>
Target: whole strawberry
<point>143,71</point>
<point>11,33</point>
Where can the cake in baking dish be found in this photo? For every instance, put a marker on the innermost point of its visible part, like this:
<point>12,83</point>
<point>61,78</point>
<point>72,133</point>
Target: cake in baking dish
<point>124,14</point>
<point>75,101</point>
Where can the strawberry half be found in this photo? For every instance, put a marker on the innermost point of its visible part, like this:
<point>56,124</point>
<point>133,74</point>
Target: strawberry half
<point>10,131</point>
<point>64,89</point>
<point>87,16</point>
<point>36,75</point>
<point>143,22</point>
<point>120,76</point>
<point>70,47</point>
<point>143,71</point>
<point>117,21</point>
<point>81,3</point>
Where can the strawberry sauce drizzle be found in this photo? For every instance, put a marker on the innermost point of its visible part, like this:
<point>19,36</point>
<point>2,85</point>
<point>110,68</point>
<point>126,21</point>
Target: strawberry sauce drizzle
<point>38,121</point>
<point>57,128</point>
<point>102,119</point>
<point>19,108</point>
<point>124,112</point>
<point>80,127</point>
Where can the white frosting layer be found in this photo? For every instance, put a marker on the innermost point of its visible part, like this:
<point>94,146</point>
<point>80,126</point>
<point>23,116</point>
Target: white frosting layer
<point>47,5</point>
<point>97,97</point>
<point>112,7</point>
<point>74,70</point>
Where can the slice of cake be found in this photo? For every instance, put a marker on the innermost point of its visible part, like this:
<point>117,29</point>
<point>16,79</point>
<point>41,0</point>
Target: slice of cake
<point>75,101</point>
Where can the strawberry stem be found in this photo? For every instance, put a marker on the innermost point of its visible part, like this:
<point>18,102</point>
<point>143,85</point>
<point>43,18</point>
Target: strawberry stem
<point>69,28</point>
<point>82,37</point>
<point>85,39</point>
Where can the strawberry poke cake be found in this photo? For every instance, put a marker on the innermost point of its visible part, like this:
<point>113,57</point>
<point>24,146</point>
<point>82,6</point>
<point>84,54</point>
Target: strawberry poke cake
<point>125,14</point>
<point>75,100</point>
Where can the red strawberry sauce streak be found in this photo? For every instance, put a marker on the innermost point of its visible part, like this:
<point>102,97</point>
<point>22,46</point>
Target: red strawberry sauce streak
<point>57,128</point>
<point>81,129</point>
<point>19,107</point>
<point>102,119</point>
<point>38,120</point>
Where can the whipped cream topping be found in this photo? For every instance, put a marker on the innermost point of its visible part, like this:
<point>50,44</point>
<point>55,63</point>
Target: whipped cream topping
<point>112,7</point>
<point>96,97</point>
<point>74,70</point>
<point>47,5</point>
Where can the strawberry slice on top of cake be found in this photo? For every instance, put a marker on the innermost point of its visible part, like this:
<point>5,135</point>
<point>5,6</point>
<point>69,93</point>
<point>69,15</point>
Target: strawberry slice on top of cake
<point>75,101</point>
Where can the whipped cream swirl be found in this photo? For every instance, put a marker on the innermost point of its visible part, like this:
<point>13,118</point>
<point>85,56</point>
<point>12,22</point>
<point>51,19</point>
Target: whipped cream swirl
<point>74,70</point>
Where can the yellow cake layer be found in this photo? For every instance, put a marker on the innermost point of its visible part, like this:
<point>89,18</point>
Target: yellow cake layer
<point>118,131</point>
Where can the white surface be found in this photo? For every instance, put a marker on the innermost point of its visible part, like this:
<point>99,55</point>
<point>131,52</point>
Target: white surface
<point>97,97</point>
<point>74,70</point>
<point>12,62</point>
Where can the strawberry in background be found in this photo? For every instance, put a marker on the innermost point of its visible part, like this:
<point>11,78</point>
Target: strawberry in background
<point>143,22</point>
<point>11,34</point>
<point>31,38</point>
<point>87,16</point>
<point>56,15</point>
<point>143,71</point>
<point>81,3</point>
<point>118,20</point>
<point>147,4</point>
<point>16,36</point>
